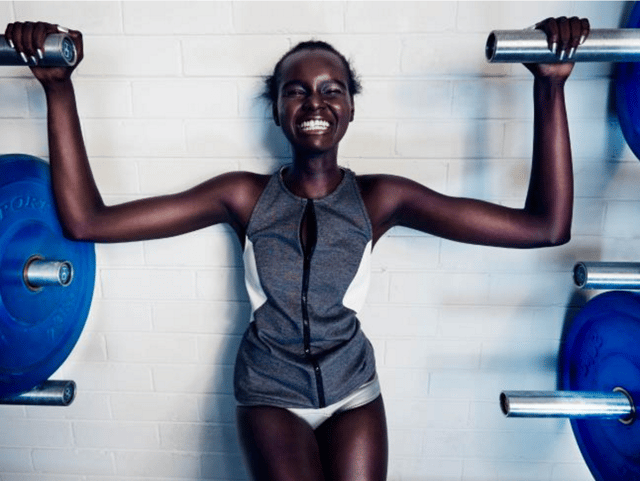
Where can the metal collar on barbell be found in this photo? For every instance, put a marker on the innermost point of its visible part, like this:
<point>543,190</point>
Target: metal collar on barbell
<point>631,417</point>
<point>39,272</point>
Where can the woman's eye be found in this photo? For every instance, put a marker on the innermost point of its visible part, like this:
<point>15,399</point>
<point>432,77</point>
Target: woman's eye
<point>333,91</point>
<point>293,92</point>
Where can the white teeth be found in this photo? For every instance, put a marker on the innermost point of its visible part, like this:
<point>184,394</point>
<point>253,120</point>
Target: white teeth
<point>314,125</point>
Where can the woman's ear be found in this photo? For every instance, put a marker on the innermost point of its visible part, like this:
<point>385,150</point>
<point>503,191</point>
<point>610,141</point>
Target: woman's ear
<point>274,112</point>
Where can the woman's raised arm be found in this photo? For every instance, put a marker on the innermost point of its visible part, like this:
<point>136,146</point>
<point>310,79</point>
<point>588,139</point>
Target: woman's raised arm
<point>546,216</point>
<point>228,198</point>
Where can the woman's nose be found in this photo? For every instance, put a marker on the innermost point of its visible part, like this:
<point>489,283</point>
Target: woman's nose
<point>314,101</point>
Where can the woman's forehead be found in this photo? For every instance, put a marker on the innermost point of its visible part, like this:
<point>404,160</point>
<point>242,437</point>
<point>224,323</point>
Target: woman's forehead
<point>313,61</point>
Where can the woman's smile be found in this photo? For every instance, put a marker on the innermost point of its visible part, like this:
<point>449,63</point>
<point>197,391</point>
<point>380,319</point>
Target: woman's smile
<point>314,126</point>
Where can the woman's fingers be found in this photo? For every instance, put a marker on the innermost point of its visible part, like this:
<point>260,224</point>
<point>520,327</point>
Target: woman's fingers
<point>28,39</point>
<point>565,35</point>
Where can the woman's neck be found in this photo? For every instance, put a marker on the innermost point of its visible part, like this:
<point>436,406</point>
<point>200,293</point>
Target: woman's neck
<point>313,178</point>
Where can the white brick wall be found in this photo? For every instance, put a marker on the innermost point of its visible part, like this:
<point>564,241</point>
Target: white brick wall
<point>167,96</point>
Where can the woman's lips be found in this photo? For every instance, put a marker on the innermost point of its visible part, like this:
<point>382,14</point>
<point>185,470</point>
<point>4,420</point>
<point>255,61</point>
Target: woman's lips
<point>314,125</point>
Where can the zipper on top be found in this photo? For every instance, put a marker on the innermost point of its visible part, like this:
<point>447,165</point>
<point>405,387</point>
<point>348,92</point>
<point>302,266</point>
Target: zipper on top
<point>309,238</point>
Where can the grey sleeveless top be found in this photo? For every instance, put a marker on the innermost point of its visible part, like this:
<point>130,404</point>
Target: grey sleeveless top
<point>304,347</point>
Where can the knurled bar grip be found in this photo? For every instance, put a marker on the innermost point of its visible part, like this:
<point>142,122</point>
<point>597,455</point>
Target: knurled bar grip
<point>617,404</point>
<point>59,51</point>
<point>531,46</point>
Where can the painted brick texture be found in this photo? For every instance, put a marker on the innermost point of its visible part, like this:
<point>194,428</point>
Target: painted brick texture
<point>168,97</point>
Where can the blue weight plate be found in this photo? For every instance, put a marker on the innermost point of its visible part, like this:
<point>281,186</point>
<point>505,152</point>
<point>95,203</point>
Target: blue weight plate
<point>601,351</point>
<point>38,329</point>
<point>627,85</point>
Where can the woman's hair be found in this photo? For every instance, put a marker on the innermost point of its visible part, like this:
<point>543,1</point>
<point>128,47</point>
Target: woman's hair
<point>270,92</point>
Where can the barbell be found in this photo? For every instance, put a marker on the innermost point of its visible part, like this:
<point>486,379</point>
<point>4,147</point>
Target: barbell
<point>46,285</point>
<point>607,275</point>
<point>49,393</point>
<point>531,46</point>
<point>602,45</point>
<point>599,381</point>
<point>58,51</point>
<point>599,359</point>
<point>43,303</point>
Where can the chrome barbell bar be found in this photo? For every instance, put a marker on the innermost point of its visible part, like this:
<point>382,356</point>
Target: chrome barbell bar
<point>617,404</point>
<point>531,46</point>
<point>49,393</point>
<point>607,275</point>
<point>39,272</point>
<point>58,51</point>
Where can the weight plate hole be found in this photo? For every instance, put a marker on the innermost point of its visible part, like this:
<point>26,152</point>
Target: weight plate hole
<point>632,417</point>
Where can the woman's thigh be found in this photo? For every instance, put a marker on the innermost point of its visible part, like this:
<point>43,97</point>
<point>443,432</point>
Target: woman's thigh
<point>353,444</point>
<point>278,445</point>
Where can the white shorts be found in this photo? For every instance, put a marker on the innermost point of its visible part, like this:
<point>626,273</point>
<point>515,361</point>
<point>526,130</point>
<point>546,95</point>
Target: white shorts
<point>361,396</point>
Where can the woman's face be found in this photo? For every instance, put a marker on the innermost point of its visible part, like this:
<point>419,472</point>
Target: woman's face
<point>314,106</point>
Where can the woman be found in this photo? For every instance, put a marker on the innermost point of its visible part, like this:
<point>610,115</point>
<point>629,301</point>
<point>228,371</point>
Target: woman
<point>309,402</point>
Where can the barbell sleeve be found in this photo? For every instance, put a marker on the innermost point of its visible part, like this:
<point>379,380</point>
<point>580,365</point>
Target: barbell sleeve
<point>49,393</point>
<point>531,46</point>
<point>39,273</point>
<point>59,51</point>
<point>607,275</point>
<point>617,404</point>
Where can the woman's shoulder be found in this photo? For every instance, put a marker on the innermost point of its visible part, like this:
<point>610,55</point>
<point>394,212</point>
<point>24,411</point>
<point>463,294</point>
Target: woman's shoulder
<point>239,191</point>
<point>379,184</point>
<point>241,182</point>
<point>248,180</point>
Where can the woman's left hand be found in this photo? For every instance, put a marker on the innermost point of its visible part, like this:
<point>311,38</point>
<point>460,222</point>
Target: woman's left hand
<point>564,36</point>
<point>28,40</point>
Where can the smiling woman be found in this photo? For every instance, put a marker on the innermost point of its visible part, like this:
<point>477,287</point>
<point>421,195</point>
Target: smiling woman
<point>309,402</point>
<point>314,109</point>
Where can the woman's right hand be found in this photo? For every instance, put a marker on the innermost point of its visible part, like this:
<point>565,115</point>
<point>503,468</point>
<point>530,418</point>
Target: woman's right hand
<point>564,37</point>
<point>28,40</point>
